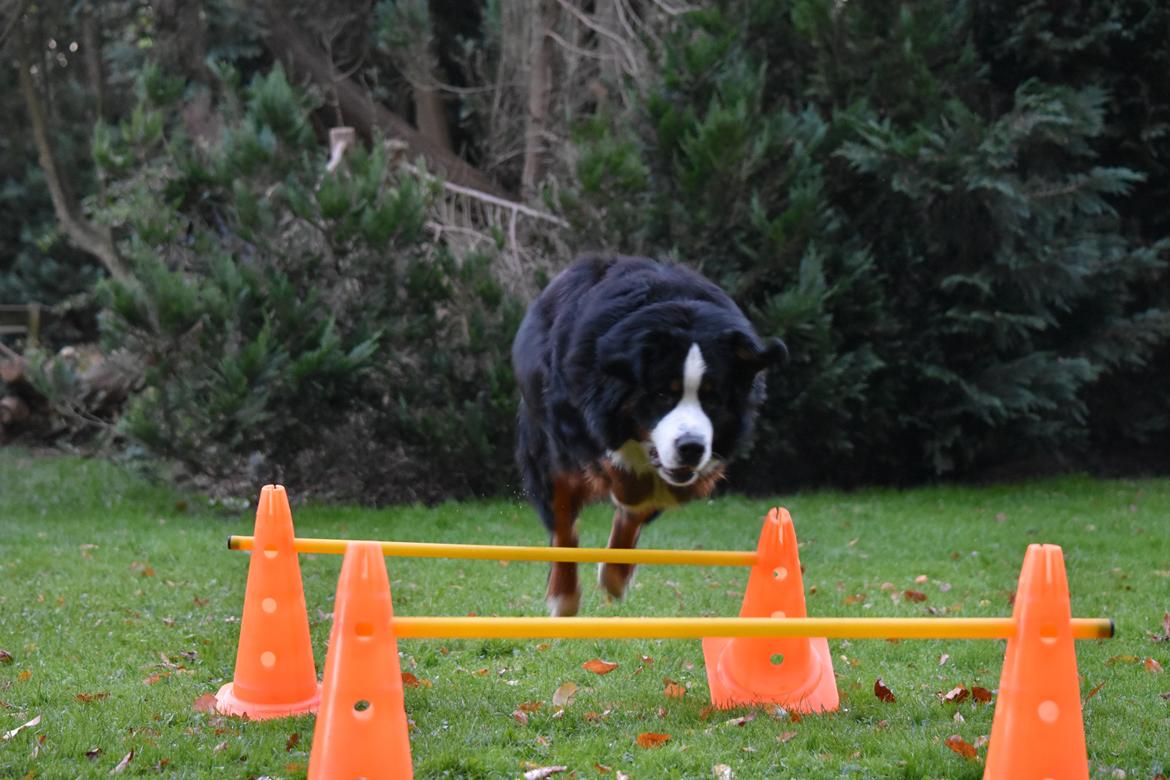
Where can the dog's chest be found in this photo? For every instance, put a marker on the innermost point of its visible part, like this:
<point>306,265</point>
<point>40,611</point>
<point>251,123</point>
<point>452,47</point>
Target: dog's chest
<point>634,483</point>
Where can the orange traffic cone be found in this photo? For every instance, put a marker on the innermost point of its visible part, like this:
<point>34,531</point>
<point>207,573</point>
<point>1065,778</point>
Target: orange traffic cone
<point>275,676</point>
<point>1037,730</point>
<point>361,727</point>
<point>797,672</point>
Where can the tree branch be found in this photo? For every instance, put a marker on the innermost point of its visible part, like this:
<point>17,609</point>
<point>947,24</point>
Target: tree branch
<point>301,54</point>
<point>91,238</point>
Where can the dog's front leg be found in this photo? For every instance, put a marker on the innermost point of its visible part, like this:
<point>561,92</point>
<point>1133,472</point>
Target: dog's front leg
<point>627,525</point>
<point>564,592</point>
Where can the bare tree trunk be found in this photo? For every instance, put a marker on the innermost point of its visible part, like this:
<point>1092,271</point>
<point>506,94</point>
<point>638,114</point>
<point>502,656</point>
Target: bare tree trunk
<point>539,97</point>
<point>91,238</point>
<point>430,117</point>
<point>358,107</point>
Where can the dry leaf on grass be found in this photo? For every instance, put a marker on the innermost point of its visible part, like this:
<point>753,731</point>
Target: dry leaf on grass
<point>10,734</point>
<point>961,746</point>
<point>981,695</point>
<point>544,771</point>
<point>563,695</point>
<point>784,736</point>
<point>956,695</point>
<point>6,657</point>
<point>649,739</point>
<point>882,692</point>
<point>531,706</point>
<point>1093,691</point>
<point>86,698</point>
<point>597,666</point>
<point>294,739</point>
<point>521,717</point>
<point>205,703</point>
<point>673,689</point>
<point>125,762</point>
<point>409,680</point>
<point>722,772</point>
<point>914,595</point>
<point>1153,666</point>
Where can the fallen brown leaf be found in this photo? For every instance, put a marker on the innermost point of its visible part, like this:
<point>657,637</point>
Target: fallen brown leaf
<point>544,771</point>
<point>125,762</point>
<point>784,736</point>
<point>602,769</point>
<point>673,689</point>
<point>521,717</point>
<point>722,772</point>
<point>24,676</point>
<point>563,695</point>
<point>882,692</point>
<point>88,697</point>
<point>956,695</point>
<point>1153,666</point>
<point>647,660</point>
<point>1093,691</point>
<point>205,703</point>
<point>531,706</point>
<point>914,595</point>
<point>293,740</point>
<point>6,657</point>
<point>649,739</point>
<point>981,695</point>
<point>961,746</point>
<point>93,753</point>
<point>409,680</point>
<point>597,666</point>
<point>942,659</point>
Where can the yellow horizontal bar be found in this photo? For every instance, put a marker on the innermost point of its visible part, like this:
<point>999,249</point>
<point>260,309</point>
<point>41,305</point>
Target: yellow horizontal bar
<point>498,552</point>
<point>697,628</point>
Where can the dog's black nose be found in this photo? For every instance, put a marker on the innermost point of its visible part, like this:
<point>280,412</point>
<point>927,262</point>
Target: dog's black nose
<point>691,450</point>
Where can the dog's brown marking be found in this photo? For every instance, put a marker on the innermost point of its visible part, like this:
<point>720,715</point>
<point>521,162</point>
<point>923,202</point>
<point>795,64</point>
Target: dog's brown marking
<point>570,491</point>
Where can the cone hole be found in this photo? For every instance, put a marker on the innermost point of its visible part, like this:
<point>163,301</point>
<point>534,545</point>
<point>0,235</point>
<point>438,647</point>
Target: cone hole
<point>1048,634</point>
<point>268,659</point>
<point>270,551</point>
<point>268,605</point>
<point>364,630</point>
<point>779,573</point>
<point>363,710</point>
<point>1048,711</point>
<point>777,659</point>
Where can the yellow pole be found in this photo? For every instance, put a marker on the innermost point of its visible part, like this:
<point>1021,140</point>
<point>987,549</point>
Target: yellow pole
<point>698,628</point>
<point>495,552</point>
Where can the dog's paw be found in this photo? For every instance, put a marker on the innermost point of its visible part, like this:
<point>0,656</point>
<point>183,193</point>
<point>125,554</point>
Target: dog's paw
<point>615,578</point>
<point>564,604</point>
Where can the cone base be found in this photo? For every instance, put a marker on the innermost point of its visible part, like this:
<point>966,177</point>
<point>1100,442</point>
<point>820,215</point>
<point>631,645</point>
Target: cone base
<point>819,695</point>
<point>227,703</point>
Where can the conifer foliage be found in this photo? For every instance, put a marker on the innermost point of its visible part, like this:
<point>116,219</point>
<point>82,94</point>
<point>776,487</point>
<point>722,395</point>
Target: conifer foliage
<point>295,324</point>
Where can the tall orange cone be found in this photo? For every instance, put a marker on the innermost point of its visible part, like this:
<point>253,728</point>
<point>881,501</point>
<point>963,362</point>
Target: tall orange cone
<point>796,672</point>
<point>1038,731</point>
<point>275,676</point>
<point>361,727</point>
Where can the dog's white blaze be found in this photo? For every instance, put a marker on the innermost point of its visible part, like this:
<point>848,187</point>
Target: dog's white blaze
<point>687,418</point>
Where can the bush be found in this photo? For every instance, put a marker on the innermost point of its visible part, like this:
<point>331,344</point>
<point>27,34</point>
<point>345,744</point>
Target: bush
<point>942,246</point>
<point>300,326</point>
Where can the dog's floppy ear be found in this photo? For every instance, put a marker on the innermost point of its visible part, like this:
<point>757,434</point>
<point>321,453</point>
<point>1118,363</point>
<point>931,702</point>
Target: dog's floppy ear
<point>752,355</point>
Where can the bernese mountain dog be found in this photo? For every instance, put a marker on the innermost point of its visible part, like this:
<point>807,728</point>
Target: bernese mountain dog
<point>638,379</point>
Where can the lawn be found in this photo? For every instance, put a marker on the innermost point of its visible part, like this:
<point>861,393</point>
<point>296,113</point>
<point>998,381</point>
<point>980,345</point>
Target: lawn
<point>119,608</point>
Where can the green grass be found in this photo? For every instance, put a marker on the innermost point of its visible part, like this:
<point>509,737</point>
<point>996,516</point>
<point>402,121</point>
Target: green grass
<point>112,586</point>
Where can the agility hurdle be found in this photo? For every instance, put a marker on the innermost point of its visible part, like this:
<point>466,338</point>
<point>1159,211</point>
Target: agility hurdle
<point>1037,729</point>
